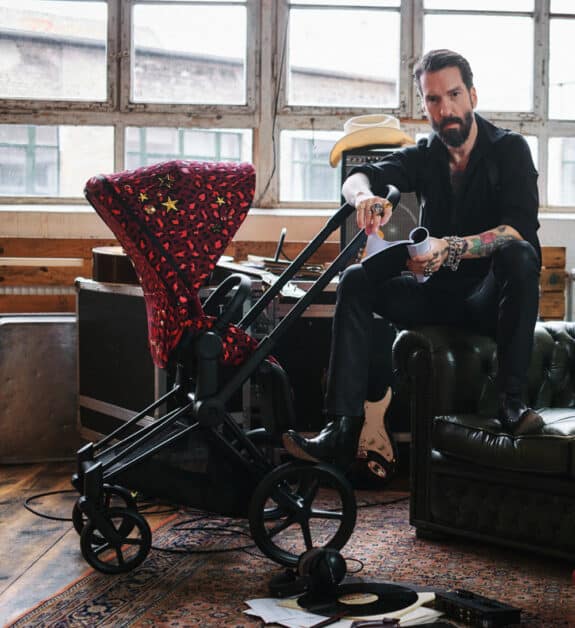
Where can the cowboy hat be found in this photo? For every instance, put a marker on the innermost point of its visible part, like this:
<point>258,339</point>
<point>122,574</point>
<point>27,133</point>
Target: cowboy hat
<point>369,130</point>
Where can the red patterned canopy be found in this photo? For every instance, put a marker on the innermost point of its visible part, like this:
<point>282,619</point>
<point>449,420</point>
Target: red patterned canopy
<point>174,220</point>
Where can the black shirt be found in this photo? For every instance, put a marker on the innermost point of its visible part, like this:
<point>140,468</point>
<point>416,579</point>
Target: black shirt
<point>498,187</point>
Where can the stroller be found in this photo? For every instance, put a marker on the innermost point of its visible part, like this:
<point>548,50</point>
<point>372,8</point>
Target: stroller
<point>174,220</point>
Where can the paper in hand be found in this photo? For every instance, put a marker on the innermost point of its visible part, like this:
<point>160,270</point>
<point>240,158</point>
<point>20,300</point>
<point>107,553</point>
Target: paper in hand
<point>385,259</point>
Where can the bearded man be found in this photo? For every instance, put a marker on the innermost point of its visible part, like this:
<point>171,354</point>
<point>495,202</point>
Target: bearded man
<point>477,189</point>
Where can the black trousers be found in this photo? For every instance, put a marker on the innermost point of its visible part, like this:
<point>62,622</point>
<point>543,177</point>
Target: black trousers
<point>504,305</point>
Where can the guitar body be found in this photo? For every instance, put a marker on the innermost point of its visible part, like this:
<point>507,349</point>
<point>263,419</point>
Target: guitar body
<point>377,454</point>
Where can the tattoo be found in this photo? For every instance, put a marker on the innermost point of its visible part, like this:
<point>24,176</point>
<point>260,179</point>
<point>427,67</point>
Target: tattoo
<point>485,243</point>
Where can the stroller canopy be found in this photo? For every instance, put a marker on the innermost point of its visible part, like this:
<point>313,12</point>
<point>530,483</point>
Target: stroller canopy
<point>174,220</point>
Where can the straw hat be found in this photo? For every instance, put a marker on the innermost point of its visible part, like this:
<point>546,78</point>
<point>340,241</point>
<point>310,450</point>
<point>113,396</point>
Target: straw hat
<point>369,130</point>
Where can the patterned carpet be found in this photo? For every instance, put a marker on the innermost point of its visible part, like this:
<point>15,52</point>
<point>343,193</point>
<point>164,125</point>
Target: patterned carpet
<point>208,589</point>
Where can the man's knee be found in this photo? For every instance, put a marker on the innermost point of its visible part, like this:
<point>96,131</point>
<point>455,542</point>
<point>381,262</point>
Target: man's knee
<point>352,282</point>
<point>517,259</point>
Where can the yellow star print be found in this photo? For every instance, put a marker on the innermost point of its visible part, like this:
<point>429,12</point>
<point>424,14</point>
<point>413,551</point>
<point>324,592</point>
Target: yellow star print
<point>143,197</point>
<point>170,204</point>
<point>220,201</point>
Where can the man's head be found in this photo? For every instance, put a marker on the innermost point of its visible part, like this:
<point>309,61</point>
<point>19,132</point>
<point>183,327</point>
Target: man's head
<point>445,82</point>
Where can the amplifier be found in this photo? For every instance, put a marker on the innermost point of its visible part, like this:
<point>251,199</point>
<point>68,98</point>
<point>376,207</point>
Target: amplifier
<point>406,214</point>
<point>476,610</point>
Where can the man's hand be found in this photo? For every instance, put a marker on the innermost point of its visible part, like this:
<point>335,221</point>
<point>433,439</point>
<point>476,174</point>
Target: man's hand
<point>429,262</point>
<point>372,213</point>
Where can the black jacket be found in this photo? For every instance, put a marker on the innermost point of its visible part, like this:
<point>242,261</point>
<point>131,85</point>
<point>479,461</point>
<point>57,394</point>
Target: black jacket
<point>499,187</point>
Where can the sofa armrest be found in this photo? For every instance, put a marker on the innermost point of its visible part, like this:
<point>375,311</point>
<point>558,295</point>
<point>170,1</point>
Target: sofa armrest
<point>448,370</point>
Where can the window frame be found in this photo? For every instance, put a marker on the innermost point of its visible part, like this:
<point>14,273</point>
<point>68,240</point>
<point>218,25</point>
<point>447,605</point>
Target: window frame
<point>266,111</point>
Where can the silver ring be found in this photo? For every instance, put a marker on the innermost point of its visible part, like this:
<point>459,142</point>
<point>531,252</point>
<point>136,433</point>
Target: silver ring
<point>377,209</point>
<point>428,270</point>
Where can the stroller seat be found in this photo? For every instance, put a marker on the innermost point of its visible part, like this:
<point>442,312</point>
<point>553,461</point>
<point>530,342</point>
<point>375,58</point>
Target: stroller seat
<point>174,220</point>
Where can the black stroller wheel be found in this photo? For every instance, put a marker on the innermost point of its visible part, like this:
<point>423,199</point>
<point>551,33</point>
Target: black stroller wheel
<point>109,549</point>
<point>114,496</point>
<point>299,506</point>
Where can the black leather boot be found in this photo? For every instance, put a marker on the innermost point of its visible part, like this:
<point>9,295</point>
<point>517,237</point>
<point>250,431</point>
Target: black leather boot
<point>336,443</point>
<point>516,418</point>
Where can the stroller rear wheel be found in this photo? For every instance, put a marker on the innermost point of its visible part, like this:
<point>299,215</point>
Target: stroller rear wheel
<point>299,506</point>
<point>108,548</point>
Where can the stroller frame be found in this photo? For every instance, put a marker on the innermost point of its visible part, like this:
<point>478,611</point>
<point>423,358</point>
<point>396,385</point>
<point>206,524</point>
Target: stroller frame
<point>117,539</point>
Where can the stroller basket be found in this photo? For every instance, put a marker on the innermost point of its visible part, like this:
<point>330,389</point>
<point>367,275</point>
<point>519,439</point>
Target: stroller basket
<point>174,220</point>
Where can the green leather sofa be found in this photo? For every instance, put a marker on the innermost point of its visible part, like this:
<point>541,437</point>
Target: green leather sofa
<point>468,477</point>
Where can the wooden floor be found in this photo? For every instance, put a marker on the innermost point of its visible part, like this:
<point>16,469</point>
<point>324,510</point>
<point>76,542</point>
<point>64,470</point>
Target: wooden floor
<point>38,557</point>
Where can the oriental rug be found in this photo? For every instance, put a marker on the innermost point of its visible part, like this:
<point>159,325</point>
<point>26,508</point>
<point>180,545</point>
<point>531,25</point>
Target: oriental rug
<point>177,590</point>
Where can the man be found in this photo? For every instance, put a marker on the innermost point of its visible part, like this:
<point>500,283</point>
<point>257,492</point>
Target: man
<point>477,187</point>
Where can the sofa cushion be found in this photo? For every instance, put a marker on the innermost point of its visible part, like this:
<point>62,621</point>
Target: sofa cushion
<point>480,440</point>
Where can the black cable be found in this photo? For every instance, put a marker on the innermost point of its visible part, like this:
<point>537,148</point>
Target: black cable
<point>143,509</point>
<point>44,515</point>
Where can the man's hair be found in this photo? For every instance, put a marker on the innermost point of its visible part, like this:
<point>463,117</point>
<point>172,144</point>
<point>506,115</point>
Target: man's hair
<point>435,60</point>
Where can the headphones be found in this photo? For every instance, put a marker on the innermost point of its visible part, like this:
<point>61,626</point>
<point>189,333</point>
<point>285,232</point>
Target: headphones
<point>319,571</point>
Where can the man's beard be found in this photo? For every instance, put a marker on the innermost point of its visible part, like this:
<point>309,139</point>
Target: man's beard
<point>457,136</point>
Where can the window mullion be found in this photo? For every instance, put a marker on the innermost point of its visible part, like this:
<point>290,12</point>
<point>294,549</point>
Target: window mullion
<point>125,54</point>
<point>416,7</point>
<point>266,135</point>
<point>541,60</point>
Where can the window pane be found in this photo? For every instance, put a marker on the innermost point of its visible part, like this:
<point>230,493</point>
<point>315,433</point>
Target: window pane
<point>12,170</point>
<point>143,145</point>
<point>508,89</point>
<point>326,66</point>
<point>355,3</point>
<point>305,171</point>
<point>561,190</point>
<point>53,50</point>
<point>561,70</point>
<point>189,54</point>
<point>562,6</point>
<point>481,5</point>
<point>52,160</point>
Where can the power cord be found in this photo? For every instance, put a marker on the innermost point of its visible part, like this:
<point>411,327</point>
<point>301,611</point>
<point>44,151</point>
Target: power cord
<point>229,529</point>
<point>42,514</point>
<point>144,507</point>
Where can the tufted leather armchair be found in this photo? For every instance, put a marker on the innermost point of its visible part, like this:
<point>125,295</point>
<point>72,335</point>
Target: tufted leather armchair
<point>470,478</point>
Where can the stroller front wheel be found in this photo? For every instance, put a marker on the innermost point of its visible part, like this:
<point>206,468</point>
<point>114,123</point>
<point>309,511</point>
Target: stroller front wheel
<point>107,546</point>
<point>299,506</point>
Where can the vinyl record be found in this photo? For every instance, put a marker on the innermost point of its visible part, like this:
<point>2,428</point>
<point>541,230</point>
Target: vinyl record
<point>359,599</point>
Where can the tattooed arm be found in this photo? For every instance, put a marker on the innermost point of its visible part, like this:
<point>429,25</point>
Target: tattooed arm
<point>483,244</point>
<point>474,246</point>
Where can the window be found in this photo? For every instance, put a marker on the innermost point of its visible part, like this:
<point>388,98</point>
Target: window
<point>148,145</point>
<point>562,169</point>
<point>189,53</point>
<point>511,87</point>
<point>306,174</point>
<point>53,161</point>
<point>335,71</point>
<point>53,50</point>
<point>122,83</point>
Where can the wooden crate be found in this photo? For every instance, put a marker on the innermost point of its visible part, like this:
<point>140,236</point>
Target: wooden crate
<point>553,283</point>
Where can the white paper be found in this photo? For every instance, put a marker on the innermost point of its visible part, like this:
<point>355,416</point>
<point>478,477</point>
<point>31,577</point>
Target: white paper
<point>417,244</point>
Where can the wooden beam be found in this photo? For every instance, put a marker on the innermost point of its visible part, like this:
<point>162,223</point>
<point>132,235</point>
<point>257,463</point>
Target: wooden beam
<point>51,247</point>
<point>35,303</point>
<point>44,275</point>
